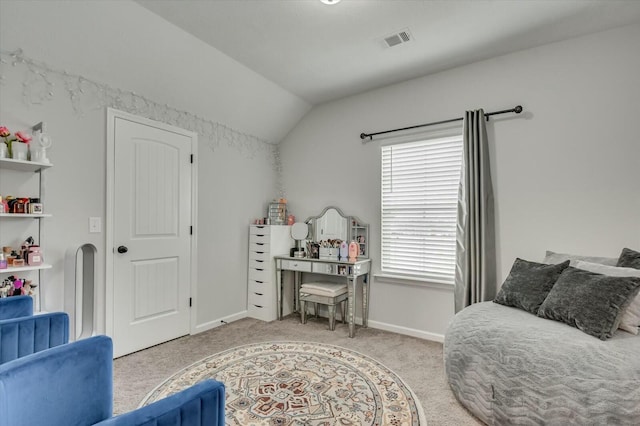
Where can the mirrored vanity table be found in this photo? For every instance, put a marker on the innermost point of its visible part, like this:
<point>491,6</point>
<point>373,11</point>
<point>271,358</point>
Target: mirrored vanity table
<point>331,224</point>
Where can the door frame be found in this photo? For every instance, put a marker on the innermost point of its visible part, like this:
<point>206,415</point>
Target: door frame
<point>112,115</point>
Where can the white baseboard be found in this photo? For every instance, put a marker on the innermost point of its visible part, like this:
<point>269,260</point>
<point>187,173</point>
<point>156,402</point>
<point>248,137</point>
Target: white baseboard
<point>373,324</point>
<point>218,322</point>
<point>407,331</point>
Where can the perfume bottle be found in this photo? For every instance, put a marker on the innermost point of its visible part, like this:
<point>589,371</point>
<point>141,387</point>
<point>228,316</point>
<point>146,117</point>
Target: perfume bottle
<point>34,257</point>
<point>344,250</point>
<point>353,251</point>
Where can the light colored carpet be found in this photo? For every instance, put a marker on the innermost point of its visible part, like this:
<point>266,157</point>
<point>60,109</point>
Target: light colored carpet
<point>418,362</point>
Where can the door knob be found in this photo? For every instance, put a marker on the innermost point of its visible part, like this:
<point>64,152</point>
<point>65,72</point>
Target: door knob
<point>122,249</point>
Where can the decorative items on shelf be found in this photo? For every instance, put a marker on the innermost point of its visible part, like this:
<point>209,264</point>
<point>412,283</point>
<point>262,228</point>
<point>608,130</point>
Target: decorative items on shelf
<point>26,257</point>
<point>17,145</point>
<point>43,140</point>
<point>20,205</point>
<point>278,212</point>
<point>28,254</point>
<point>14,286</point>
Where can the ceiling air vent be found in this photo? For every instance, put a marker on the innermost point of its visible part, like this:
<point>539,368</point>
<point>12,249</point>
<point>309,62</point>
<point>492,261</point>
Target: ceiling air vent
<point>403,36</point>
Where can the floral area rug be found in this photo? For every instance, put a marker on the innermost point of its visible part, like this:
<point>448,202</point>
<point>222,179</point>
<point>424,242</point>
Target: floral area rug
<point>301,383</point>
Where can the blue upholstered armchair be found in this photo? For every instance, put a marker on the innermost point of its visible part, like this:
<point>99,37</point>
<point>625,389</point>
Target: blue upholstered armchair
<point>22,333</point>
<point>16,306</point>
<point>72,384</point>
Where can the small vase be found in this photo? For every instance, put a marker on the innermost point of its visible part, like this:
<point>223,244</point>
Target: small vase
<point>4,150</point>
<point>20,151</point>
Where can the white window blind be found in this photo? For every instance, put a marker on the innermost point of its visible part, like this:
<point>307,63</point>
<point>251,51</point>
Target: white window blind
<point>419,208</point>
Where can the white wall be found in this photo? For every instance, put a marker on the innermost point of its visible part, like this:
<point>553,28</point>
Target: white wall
<point>566,173</point>
<point>121,44</point>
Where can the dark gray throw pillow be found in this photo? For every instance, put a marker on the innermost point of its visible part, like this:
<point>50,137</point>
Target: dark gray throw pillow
<point>528,284</point>
<point>593,303</point>
<point>629,259</point>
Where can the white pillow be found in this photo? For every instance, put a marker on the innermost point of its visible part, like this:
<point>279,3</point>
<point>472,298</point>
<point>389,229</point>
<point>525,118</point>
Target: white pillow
<point>555,258</point>
<point>631,317</point>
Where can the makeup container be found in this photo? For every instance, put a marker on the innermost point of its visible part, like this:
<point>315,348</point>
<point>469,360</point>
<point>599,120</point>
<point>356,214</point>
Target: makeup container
<point>353,251</point>
<point>35,206</point>
<point>34,257</point>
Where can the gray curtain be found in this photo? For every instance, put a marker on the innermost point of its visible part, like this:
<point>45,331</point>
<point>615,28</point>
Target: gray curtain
<point>475,279</point>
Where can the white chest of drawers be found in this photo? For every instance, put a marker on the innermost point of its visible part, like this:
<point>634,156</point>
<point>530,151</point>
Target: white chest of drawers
<point>265,242</point>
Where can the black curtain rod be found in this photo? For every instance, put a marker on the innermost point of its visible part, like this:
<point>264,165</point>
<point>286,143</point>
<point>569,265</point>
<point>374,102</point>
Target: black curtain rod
<point>517,110</point>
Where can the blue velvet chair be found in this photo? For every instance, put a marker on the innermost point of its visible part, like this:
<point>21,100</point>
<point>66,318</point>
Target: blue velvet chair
<point>72,384</point>
<point>22,333</point>
<point>16,306</point>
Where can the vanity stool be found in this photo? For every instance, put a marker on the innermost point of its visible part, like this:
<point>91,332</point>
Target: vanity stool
<point>325,293</point>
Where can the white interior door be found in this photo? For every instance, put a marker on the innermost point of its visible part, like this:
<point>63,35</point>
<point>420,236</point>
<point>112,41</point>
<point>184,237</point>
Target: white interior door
<point>151,235</point>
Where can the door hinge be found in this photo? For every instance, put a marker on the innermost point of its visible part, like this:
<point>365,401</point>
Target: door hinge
<point>191,230</point>
<point>190,302</point>
<point>191,159</point>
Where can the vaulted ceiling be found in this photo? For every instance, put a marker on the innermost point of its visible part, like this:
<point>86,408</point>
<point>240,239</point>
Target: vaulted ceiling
<point>321,52</point>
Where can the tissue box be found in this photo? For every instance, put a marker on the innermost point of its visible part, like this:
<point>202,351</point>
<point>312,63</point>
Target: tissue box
<point>329,253</point>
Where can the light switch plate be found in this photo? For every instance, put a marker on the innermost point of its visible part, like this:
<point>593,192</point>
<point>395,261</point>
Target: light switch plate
<point>95,225</point>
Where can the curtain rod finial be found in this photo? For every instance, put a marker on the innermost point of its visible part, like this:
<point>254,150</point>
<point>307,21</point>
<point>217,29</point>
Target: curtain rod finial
<point>363,135</point>
<point>518,109</point>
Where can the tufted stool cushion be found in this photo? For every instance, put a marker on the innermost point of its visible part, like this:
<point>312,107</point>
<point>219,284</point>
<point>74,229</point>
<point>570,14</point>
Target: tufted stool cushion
<point>326,293</point>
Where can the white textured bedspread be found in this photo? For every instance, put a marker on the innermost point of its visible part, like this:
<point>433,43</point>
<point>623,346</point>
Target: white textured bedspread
<point>508,366</point>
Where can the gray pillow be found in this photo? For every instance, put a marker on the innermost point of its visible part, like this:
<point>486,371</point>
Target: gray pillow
<point>528,284</point>
<point>629,259</point>
<point>593,303</point>
<point>630,320</point>
<point>553,257</point>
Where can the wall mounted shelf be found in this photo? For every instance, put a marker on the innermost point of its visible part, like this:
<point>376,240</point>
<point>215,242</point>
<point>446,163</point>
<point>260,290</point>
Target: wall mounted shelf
<point>12,269</point>
<point>36,168</point>
<point>23,166</point>
<point>24,215</point>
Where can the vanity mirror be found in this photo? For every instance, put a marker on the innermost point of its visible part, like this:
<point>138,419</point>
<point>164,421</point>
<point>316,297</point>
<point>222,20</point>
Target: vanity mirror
<point>332,224</point>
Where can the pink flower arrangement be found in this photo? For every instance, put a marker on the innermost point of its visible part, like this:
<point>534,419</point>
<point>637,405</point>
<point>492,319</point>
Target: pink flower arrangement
<point>20,136</point>
<point>23,137</point>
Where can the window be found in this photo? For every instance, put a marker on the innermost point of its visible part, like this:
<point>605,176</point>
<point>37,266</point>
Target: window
<point>419,208</point>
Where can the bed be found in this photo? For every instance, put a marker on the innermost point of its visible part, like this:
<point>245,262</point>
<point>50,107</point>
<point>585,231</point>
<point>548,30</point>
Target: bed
<point>507,366</point>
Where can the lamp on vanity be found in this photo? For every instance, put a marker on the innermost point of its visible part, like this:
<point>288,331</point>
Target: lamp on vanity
<point>299,232</point>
